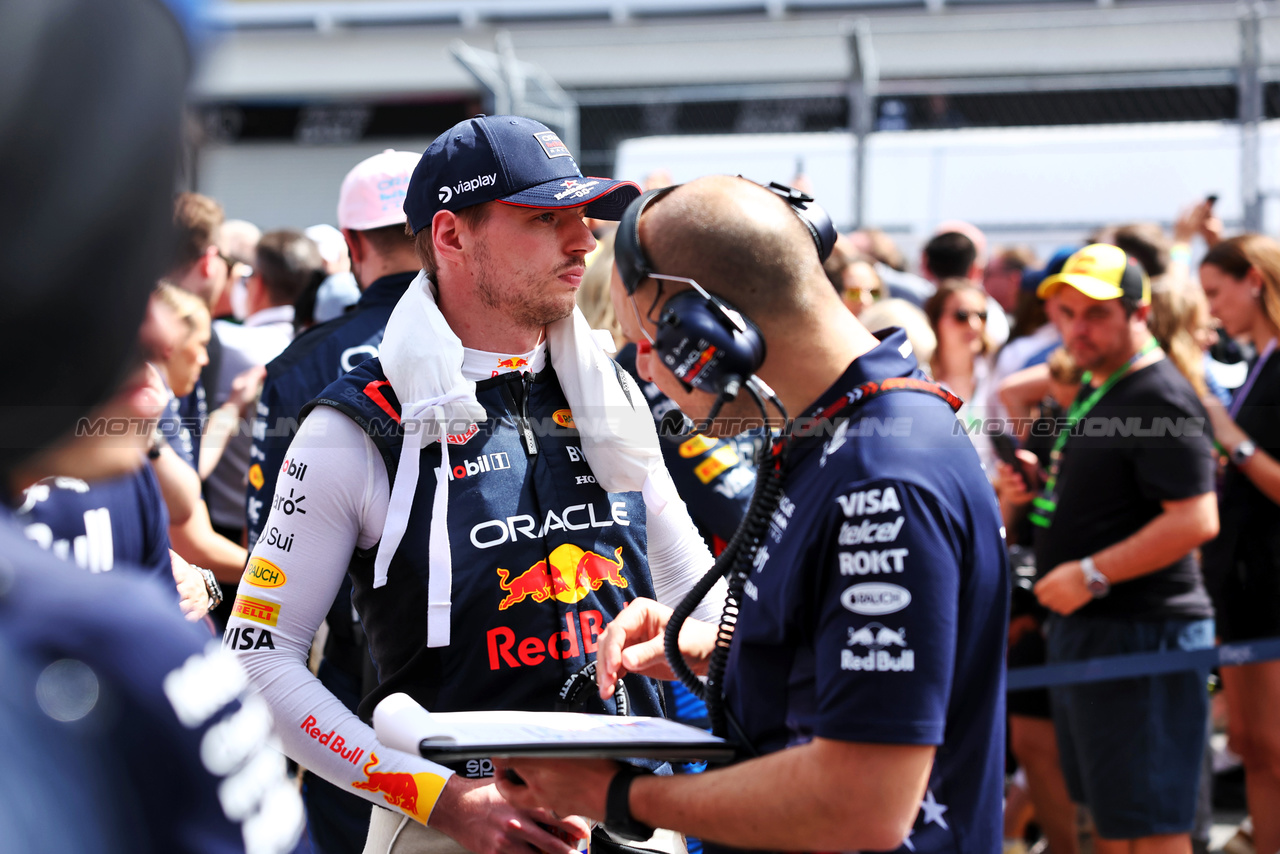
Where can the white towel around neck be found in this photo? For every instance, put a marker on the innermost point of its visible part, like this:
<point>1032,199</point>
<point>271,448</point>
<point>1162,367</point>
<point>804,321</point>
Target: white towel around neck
<point>422,359</point>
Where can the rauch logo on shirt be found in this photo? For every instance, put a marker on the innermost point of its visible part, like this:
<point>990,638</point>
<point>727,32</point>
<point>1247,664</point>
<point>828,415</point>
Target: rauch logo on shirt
<point>875,597</point>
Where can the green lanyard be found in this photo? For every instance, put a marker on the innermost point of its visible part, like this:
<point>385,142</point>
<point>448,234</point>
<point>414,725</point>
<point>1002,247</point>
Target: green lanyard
<point>1043,506</point>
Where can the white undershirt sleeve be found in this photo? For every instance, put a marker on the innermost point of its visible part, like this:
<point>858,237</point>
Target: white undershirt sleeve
<point>331,497</point>
<point>678,557</point>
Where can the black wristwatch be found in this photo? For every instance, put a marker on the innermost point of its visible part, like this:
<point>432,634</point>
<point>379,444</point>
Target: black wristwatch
<point>617,806</point>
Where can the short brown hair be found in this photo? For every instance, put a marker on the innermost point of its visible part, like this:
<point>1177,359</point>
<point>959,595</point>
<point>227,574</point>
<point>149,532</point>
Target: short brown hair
<point>288,263</point>
<point>196,220</point>
<point>472,217</point>
<point>388,238</point>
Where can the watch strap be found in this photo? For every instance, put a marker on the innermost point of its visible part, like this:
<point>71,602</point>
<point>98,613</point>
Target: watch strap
<point>1243,452</point>
<point>211,586</point>
<point>617,810</point>
<point>1099,585</point>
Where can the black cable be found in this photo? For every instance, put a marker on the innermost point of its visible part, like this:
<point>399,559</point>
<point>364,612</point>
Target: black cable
<point>735,562</point>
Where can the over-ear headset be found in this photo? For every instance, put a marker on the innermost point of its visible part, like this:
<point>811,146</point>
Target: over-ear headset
<point>706,342</point>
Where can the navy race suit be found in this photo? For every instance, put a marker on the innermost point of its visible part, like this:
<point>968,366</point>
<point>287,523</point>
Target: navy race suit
<point>877,609</point>
<point>307,366</point>
<point>543,558</point>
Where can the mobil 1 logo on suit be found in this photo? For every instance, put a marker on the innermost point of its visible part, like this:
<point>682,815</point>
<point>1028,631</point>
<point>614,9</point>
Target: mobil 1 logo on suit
<point>499,461</point>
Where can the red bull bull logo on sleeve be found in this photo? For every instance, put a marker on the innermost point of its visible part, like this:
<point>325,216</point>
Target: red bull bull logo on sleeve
<point>567,575</point>
<point>415,794</point>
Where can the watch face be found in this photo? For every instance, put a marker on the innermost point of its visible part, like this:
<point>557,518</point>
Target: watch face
<point>1097,588</point>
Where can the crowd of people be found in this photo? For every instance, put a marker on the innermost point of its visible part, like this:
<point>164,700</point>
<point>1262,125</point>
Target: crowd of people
<point>476,435</point>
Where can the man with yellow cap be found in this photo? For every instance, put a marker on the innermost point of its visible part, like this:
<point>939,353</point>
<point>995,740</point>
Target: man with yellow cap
<point>1128,499</point>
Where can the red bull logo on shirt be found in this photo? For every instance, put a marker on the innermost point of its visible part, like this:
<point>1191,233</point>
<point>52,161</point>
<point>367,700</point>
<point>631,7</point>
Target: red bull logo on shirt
<point>514,363</point>
<point>580,637</point>
<point>879,641</point>
<point>414,793</point>
<point>567,575</point>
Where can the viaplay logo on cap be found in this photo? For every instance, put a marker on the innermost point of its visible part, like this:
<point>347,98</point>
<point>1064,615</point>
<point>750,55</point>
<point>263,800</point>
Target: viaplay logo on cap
<point>551,144</point>
<point>446,193</point>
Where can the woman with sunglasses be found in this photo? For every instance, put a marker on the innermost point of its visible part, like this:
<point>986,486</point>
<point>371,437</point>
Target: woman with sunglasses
<point>962,360</point>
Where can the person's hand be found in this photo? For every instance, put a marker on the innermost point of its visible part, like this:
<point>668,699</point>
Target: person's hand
<point>1211,230</point>
<point>193,595</point>
<point>246,387</point>
<point>1011,487</point>
<point>475,815</point>
<point>564,786</point>
<point>1225,429</point>
<point>1063,590</point>
<point>1190,220</point>
<point>632,643</point>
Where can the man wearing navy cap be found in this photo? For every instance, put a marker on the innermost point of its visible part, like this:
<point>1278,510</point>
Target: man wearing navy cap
<point>486,486</point>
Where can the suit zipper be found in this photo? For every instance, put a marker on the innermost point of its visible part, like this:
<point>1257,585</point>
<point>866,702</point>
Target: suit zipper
<point>522,417</point>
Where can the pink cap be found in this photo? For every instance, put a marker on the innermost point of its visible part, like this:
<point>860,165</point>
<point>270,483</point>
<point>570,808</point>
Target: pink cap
<point>372,194</point>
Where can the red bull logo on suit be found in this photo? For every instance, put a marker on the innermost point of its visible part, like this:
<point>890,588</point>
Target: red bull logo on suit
<point>414,793</point>
<point>567,575</point>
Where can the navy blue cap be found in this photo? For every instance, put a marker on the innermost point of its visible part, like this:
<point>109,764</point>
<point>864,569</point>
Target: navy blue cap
<point>1031,279</point>
<point>509,159</point>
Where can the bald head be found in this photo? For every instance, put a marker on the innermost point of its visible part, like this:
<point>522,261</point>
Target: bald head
<point>738,240</point>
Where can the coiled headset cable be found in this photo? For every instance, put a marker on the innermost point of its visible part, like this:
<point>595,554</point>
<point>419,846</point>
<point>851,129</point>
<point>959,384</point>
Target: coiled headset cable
<point>734,563</point>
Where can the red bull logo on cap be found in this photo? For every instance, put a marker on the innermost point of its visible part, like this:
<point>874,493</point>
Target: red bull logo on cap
<point>416,794</point>
<point>567,575</point>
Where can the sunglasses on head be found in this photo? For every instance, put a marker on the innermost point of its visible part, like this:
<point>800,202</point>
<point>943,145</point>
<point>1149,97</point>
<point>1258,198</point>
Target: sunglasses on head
<point>962,315</point>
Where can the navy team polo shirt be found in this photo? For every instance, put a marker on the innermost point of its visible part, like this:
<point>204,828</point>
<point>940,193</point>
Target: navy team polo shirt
<point>876,611</point>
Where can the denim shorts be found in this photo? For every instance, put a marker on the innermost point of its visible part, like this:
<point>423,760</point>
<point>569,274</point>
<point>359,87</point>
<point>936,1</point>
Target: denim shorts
<point>1132,748</point>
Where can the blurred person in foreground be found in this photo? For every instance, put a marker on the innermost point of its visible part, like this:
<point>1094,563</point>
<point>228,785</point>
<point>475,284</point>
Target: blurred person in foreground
<point>121,729</point>
<point>1121,516</point>
<point>1241,278</point>
<point>467,484</point>
<point>370,212</point>
<point>872,734</point>
<point>120,521</point>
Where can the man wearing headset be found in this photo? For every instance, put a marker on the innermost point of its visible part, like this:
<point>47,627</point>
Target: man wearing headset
<point>866,668</point>
<point>487,540</point>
